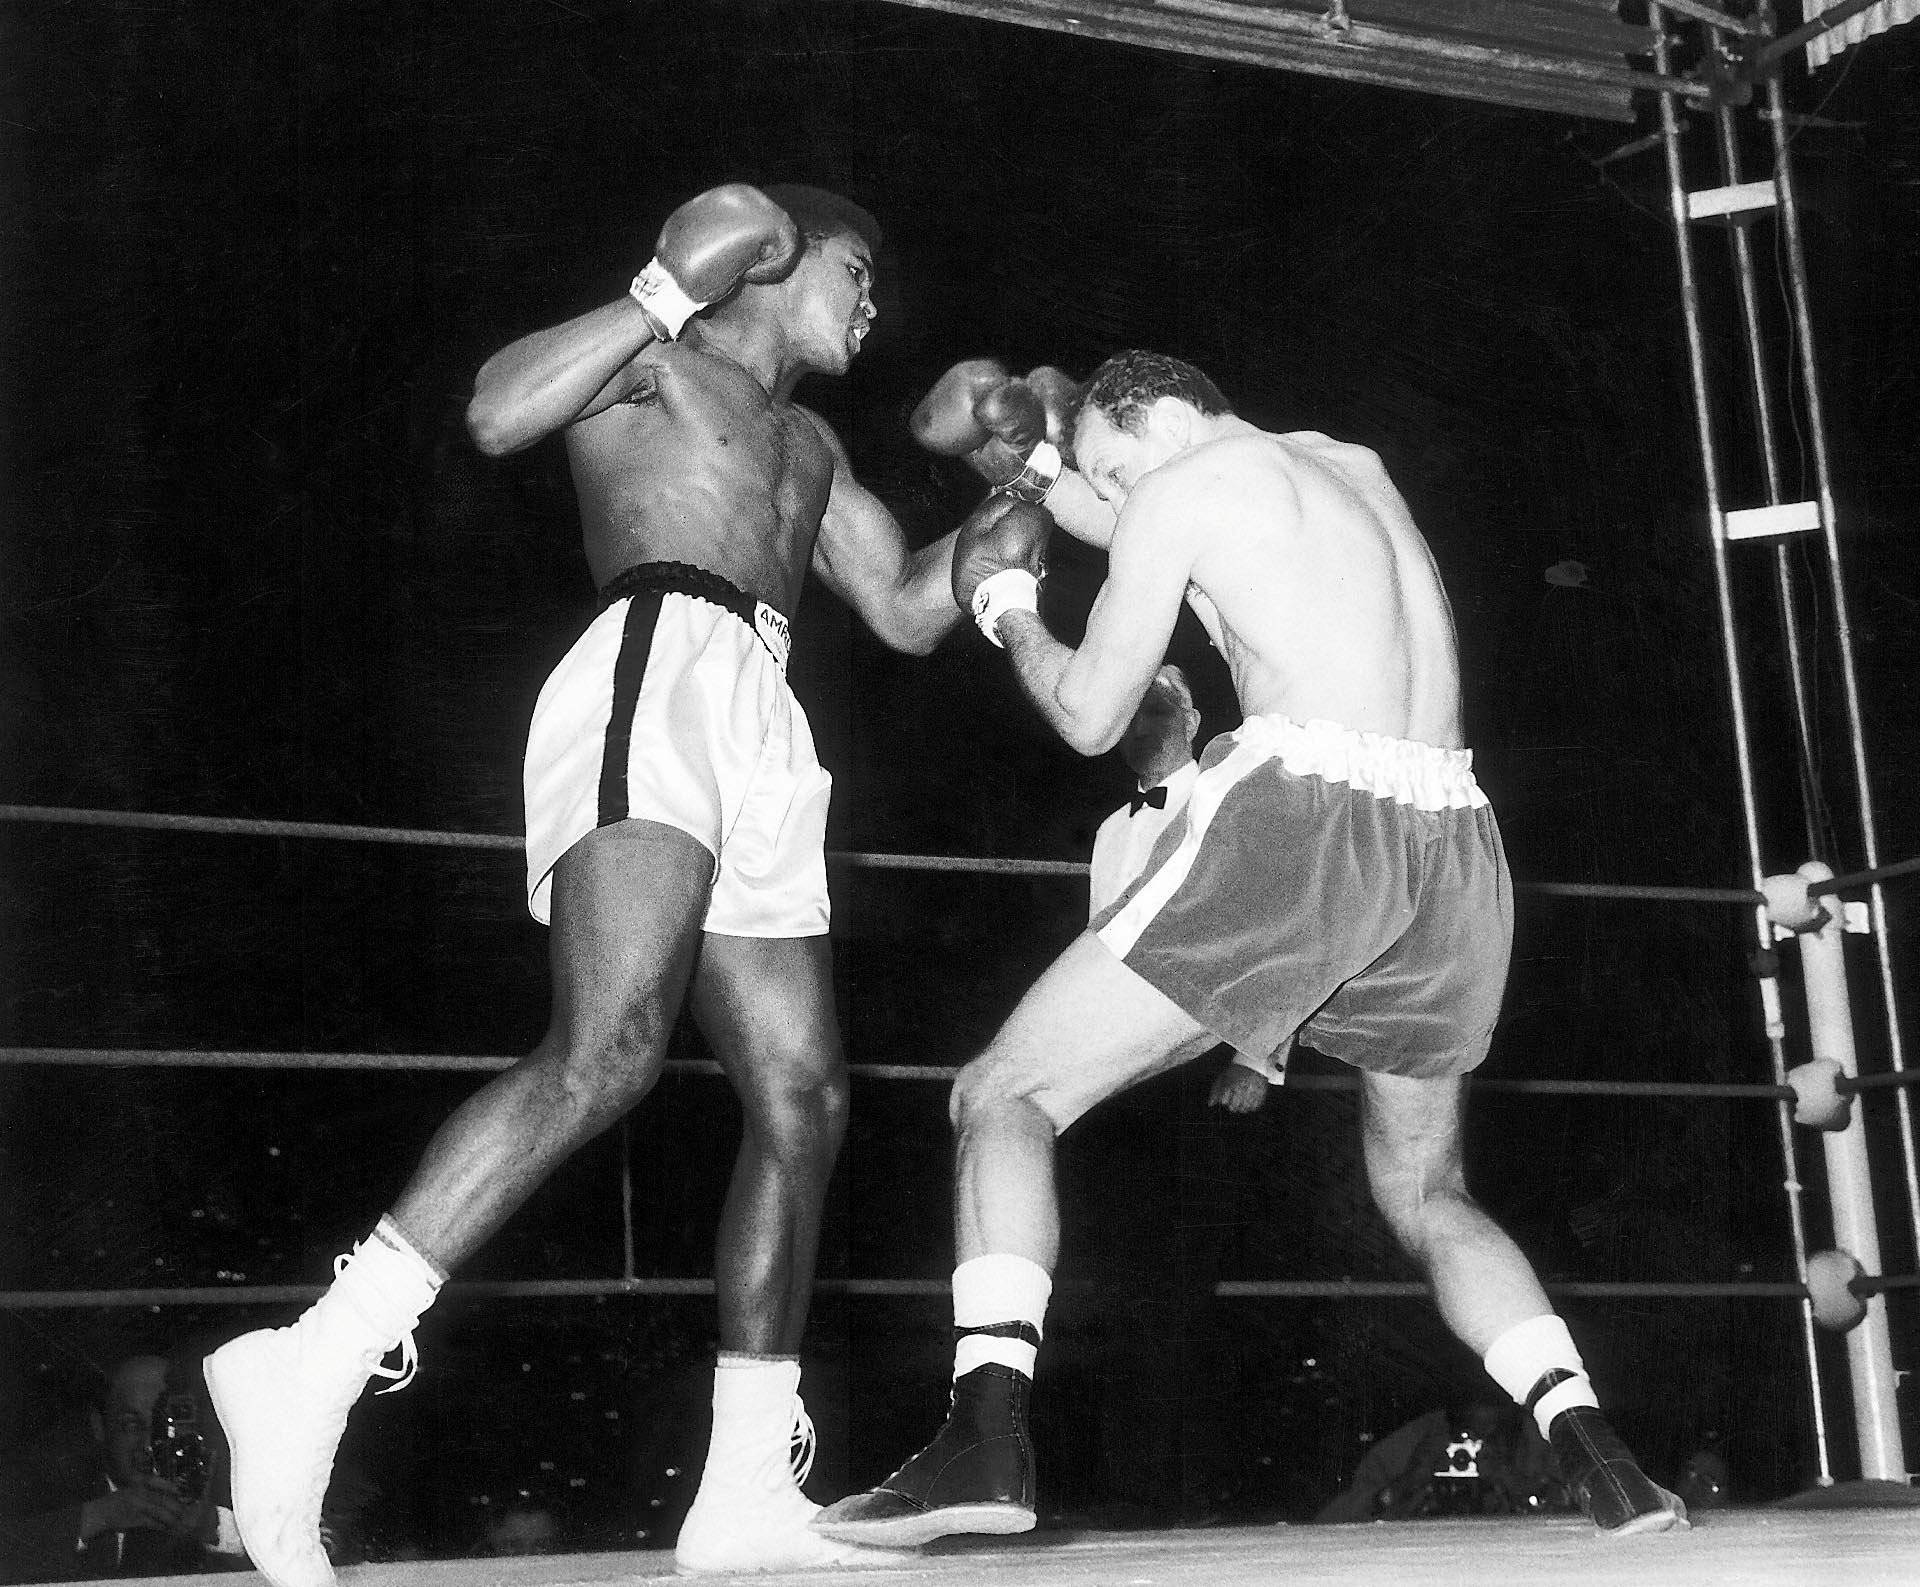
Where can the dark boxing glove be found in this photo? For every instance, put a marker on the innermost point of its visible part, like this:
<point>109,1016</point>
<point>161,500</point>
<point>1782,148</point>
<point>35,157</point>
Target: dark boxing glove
<point>1008,430</point>
<point>999,558</point>
<point>708,246</point>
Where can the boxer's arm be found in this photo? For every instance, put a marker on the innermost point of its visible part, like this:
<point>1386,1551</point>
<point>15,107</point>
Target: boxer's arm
<point>548,380</point>
<point>1089,694</point>
<point>861,554</point>
<point>1073,505</point>
<point>980,412</point>
<point>552,378</point>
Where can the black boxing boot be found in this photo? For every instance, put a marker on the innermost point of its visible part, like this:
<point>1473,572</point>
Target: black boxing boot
<point>1606,1481</point>
<point>976,1475</point>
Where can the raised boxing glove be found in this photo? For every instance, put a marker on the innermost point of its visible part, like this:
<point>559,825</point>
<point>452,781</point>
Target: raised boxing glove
<point>708,246</point>
<point>1058,394</point>
<point>947,421</point>
<point>1012,413</point>
<point>1008,430</point>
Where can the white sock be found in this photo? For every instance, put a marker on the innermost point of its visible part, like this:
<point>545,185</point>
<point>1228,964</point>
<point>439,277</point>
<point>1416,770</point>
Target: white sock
<point>751,1391</point>
<point>999,1290</point>
<point>1528,1352</point>
<point>389,1233</point>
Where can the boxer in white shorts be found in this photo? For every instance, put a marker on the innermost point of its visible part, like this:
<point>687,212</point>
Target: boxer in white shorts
<point>673,707</point>
<point>675,822</point>
<point>1336,870</point>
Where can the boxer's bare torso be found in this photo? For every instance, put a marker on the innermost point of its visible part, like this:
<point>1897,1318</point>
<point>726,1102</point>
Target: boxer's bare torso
<point>694,450</point>
<point>1299,557</point>
<point>696,463</point>
<point>1329,607</point>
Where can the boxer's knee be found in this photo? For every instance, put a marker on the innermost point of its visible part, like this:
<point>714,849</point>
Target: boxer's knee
<point>995,1086</point>
<point>811,1111</point>
<point>591,1076</point>
<point>1422,1213</point>
<point>798,1110</point>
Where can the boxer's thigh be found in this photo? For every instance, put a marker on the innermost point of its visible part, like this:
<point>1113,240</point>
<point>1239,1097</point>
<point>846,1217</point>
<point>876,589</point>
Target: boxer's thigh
<point>1086,1030</point>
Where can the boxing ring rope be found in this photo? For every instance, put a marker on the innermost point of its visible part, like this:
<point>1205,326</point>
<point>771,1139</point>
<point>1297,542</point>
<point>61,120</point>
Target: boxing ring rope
<point>456,1063</point>
<point>1823,1288</point>
<point>427,838</point>
<point>586,1288</point>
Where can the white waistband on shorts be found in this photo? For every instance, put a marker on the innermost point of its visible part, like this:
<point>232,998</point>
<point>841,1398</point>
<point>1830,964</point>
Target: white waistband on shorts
<point>1401,769</point>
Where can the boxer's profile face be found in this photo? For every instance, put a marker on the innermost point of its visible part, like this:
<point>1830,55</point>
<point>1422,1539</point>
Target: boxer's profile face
<point>1112,459</point>
<point>830,295</point>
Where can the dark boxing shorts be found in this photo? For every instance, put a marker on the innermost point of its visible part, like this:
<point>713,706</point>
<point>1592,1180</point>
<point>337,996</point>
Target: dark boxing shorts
<point>1345,886</point>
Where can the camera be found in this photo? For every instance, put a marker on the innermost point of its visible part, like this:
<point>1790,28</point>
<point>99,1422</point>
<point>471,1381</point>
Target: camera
<point>178,1449</point>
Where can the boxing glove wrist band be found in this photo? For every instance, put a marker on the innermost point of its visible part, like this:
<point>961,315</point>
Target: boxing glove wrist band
<point>1009,590</point>
<point>1039,473</point>
<point>660,296</point>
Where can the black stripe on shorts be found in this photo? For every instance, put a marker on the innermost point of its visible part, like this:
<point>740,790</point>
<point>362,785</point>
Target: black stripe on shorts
<point>644,584</point>
<point>629,669</point>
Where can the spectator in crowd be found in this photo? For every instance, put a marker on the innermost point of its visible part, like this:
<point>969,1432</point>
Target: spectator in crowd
<point>116,1491</point>
<point>1476,1459</point>
<point>1706,1482</point>
<point>526,1526</point>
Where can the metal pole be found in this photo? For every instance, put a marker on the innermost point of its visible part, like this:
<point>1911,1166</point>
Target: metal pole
<point>1769,55</point>
<point>1842,625</point>
<point>1710,467</point>
<point>626,1200</point>
<point>1736,697</point>
<point>1760,389</point>
<point>1850,1195</point>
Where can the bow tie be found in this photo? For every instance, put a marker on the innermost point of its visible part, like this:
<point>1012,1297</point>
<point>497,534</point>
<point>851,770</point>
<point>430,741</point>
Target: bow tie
<point>1157,797</point>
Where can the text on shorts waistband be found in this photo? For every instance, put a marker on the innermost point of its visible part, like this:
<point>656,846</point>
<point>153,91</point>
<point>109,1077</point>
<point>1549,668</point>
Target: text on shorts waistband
<point>1425,776</point>
<point>683,578</point>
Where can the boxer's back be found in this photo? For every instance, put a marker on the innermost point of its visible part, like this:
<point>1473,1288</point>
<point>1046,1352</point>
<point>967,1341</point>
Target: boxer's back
<point>1325,599</point>
<point>698,464</point>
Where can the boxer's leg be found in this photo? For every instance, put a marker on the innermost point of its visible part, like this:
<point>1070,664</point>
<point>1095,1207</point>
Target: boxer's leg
<point>765,1006</point>
<point>1489,1295</point>
<point>627,902</point>
<point>1088,1028</point>
<point>1085,1031</point>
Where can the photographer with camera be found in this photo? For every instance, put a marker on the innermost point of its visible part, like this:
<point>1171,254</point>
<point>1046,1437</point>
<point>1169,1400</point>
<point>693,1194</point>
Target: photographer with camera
<point>126,1493</point>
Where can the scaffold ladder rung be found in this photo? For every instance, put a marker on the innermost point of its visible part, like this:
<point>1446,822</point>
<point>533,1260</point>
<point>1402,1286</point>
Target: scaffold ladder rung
<point>1742,198</point>
<point>1783,518</point>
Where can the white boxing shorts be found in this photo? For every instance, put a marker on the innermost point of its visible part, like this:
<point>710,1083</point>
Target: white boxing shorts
<point>673,706</point>
<point>1347,886</point>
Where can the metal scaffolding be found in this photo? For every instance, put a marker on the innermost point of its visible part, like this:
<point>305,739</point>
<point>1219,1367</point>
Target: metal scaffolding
<point>1741,62</point>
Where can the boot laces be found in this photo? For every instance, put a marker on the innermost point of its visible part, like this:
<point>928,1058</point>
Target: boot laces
<point>398,1377</point>
<point>801,1443</point>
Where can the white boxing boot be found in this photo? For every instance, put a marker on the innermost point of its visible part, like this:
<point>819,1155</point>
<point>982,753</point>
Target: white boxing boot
<point>283,1394</point>
<point>750,1514</point>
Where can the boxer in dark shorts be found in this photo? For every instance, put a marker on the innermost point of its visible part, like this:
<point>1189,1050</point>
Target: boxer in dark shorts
<point>1372,871</point>
<point>1336,873</point>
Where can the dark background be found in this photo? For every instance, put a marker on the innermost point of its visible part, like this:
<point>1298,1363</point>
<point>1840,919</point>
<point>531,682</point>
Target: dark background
<point>253,256</point>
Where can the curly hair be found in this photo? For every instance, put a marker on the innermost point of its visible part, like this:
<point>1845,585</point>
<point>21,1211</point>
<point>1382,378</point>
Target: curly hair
<point>821,214</point>
<point>1129,383</point>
